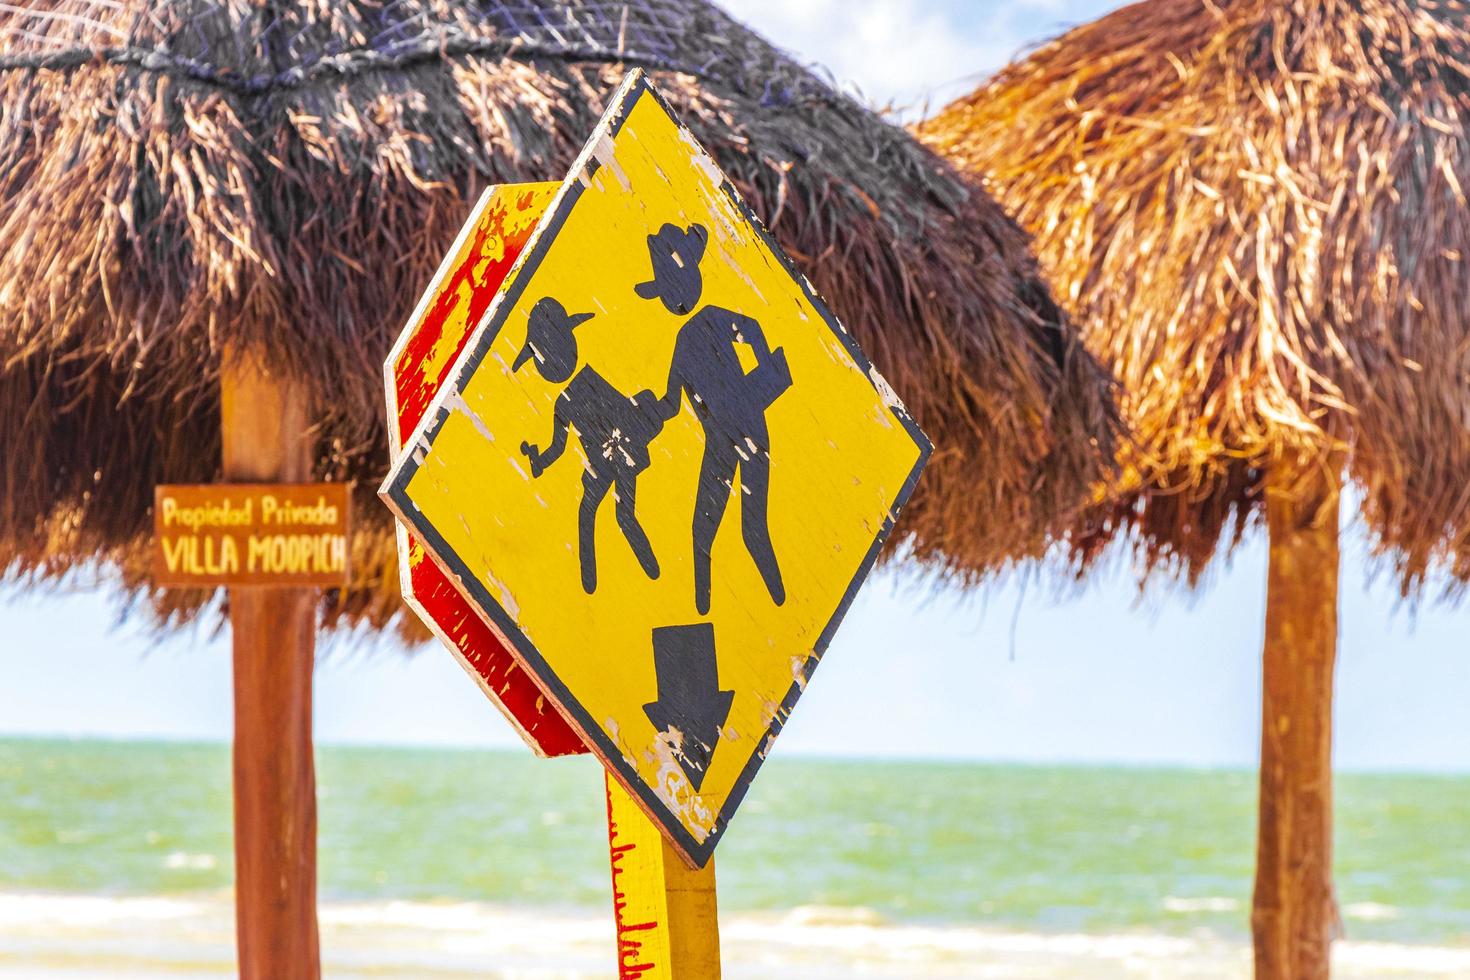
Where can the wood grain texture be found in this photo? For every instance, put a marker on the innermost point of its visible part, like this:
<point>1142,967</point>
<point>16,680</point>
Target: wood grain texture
<point>273,633</point>
<point>1294,915</point>
<point>666,914</point>
<point>453,305</point>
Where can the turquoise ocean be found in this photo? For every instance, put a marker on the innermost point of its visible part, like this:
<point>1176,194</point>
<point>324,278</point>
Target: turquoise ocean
<point>1036,849</point>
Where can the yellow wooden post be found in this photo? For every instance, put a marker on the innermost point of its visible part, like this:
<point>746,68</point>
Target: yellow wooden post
<point>666,913</point>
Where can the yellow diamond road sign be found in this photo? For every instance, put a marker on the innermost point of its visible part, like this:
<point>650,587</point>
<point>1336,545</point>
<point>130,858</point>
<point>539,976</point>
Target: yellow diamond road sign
<point>661,469</point>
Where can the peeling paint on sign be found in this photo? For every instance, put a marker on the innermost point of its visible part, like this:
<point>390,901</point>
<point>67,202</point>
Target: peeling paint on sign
<point>457,298</point>
<point>661,443</point>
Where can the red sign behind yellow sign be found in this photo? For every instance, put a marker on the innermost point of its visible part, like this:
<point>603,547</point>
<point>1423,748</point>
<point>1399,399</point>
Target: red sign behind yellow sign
<point>451,308</point>
<point>281,534</point>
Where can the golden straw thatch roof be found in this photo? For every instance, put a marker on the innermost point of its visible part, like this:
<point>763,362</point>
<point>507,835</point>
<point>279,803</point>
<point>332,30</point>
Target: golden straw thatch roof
<point>180,174</point>
<point>1257,212</point>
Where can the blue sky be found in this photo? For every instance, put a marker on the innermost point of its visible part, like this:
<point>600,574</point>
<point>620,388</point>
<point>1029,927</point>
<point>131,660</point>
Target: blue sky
<point>911,53</point>
<point>1010,672</point>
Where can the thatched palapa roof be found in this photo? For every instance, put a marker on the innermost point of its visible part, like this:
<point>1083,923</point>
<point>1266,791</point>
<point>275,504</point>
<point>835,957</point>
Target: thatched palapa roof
<point>1257,212</point>
<point>184,174</point>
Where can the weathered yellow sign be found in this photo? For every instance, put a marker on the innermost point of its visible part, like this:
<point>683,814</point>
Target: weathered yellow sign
<point>660,469</point>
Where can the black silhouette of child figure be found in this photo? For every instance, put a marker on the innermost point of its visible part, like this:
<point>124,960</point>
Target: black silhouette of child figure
<point>730,404</point>
<point>615,431</point>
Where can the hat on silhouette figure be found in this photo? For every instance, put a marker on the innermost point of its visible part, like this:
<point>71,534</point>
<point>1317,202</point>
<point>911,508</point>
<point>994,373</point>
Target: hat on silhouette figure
<point>549,339</point>
<point>676,280</point>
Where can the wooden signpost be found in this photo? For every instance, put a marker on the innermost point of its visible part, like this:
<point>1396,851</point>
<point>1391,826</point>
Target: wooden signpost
<point>658,470</point>
<point>665,912</point>
<point>274,545</point>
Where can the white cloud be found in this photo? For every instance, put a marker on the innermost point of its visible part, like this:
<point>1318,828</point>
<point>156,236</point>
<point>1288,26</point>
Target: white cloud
<point>901,52</point>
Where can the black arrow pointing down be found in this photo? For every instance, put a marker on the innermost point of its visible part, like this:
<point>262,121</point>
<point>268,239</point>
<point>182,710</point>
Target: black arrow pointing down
<point>689,697</point>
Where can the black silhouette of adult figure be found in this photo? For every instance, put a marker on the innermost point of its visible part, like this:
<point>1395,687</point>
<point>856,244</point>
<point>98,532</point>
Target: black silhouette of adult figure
<point>615,430</point>
<point>730,404</point>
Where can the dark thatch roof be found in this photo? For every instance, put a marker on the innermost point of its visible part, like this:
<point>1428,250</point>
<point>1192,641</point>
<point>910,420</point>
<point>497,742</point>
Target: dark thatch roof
<point>182,174</point>
<point>1257,212</point>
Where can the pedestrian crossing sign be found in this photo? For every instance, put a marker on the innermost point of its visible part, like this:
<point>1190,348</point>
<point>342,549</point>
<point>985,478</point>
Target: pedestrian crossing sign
<point>660,469</point>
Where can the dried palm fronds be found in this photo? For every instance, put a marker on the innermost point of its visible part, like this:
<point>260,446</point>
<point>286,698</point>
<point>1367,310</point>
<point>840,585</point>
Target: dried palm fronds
<point>1257,212</point>
<point>184,174</point>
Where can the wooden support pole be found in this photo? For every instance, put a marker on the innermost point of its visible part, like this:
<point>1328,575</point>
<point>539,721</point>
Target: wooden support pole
<point>666,913</point>
<point>264,419</point>
<point>1293,914</point>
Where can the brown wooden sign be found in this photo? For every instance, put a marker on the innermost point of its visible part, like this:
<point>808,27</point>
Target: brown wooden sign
<point>282,534</point>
